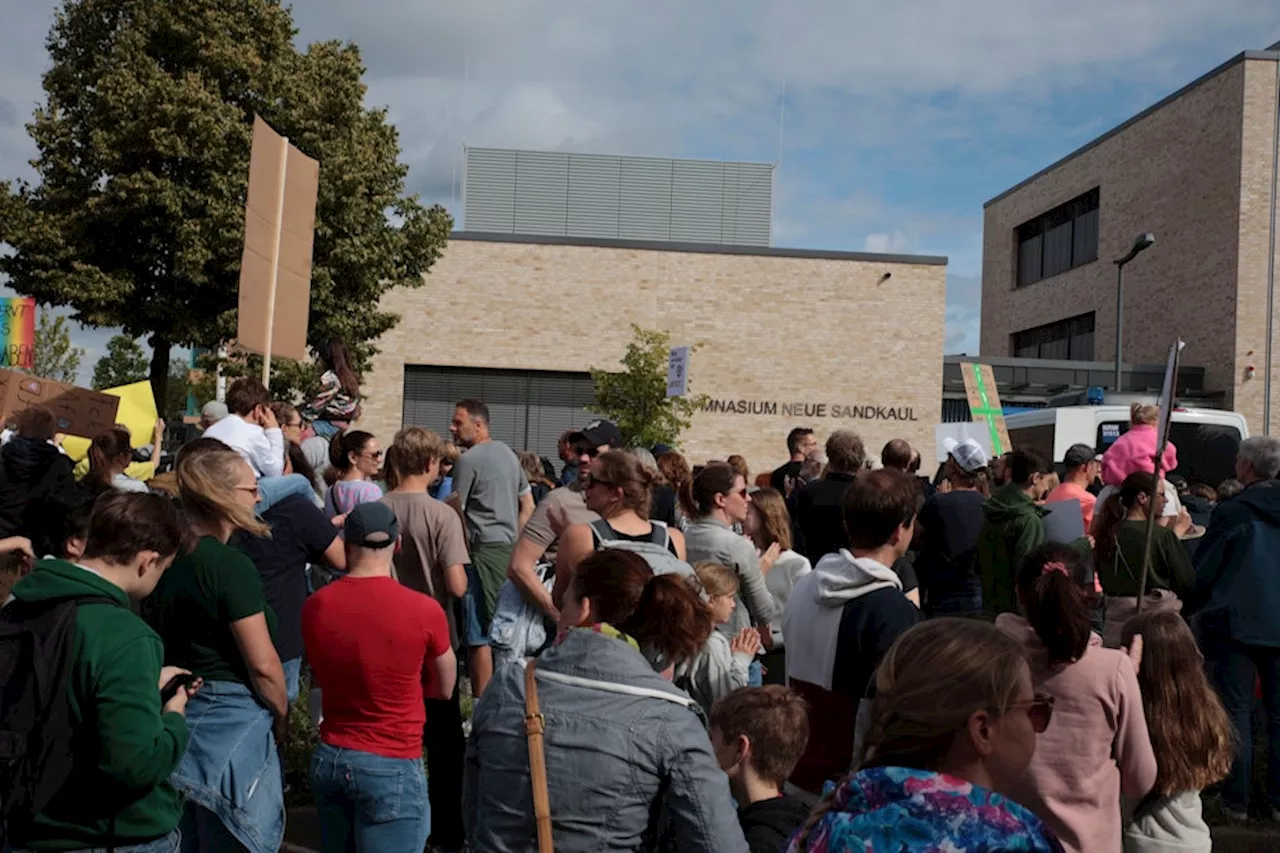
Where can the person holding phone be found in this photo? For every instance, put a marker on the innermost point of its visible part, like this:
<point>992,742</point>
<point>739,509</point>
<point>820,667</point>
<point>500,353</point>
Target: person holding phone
<point>130,735</point>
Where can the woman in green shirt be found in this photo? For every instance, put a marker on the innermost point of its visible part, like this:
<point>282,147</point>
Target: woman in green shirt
<point>210,611</point>
<point>1121,534</point>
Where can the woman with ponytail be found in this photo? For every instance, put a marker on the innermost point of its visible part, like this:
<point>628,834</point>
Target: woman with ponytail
<point>211,612</point>
<point>1098,748</point>
<point>622,744</point>
<point>110,453</point>
<point>355,458</point>
<point>954,724</point>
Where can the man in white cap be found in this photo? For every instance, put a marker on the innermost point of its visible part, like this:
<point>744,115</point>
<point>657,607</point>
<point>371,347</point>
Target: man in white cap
<point>947,535</point>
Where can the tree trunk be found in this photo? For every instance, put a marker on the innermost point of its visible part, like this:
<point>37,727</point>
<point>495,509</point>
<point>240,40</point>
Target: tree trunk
<point>160,369</point>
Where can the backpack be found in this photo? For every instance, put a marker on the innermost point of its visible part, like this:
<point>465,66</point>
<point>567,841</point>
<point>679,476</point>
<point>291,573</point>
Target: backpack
<point>656,550</point>
<point>35,727</point>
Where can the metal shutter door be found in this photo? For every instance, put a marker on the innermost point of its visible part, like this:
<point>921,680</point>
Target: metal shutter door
<point>557,402</point>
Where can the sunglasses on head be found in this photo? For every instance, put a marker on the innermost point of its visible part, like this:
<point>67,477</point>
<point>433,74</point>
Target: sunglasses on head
<point>1039,711</point>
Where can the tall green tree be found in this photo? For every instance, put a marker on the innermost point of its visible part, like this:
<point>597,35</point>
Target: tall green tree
<point>137,218</point>
<point>55,357</point>
<point>125,362</point>
<point>635,398</point>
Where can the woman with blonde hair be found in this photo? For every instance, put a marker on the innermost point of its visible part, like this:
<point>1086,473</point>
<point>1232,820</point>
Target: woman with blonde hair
<point>954,725</point>
<point>534,473</point>
<point>211,613</point>
<point>768,526</point>
<point>722,665</point>
<point>1191,734</point>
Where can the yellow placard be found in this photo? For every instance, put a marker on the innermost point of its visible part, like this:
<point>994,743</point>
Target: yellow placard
<point>138,413</point>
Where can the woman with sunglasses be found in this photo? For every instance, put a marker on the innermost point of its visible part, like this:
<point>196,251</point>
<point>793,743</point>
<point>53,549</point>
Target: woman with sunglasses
<point>721,501</point>
<point>1098,748</point>
<point>954,724</point>
<point>210,610</point>
<point>356,458</point>
<point>618,489</point>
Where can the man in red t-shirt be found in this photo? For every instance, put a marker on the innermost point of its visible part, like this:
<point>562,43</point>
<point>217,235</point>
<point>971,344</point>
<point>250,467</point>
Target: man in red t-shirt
<point>377,649</point>
<point>1082,464</point>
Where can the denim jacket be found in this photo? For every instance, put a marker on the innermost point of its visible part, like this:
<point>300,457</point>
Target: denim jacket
<point>627,753</point>
<point>231,767</point>
<point>710,539</point>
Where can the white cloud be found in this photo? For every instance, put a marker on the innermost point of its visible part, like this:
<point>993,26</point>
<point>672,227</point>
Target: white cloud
<point>896,243</point>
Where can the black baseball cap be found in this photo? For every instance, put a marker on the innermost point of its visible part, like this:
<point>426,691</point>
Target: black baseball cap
<point>371,525</point>
<point>1079,454</point>
<point>598,434</point>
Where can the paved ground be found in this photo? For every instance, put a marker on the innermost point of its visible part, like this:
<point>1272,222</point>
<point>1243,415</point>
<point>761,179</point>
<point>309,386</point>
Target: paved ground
<point>303,836</point>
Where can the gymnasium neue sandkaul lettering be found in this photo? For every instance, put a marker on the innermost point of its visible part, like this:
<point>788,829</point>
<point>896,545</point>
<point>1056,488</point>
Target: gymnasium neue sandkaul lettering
<point>810,410</point>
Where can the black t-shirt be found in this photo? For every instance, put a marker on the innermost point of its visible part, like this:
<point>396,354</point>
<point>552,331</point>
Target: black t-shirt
<point>819,518</point>
<point>790,471</point>
<point>300,534</point>
<point>663,506</point>
<point>948,558</point>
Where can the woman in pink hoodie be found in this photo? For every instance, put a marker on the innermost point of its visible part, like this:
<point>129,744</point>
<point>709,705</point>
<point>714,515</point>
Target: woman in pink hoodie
<point>1136,449</point>
<point>1098,747</point>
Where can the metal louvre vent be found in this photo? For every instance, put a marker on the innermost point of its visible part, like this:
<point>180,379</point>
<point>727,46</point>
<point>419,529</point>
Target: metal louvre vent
<point>528,409</point>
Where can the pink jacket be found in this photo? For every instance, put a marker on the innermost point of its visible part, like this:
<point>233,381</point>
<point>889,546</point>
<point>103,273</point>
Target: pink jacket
<point>1096,746</point>
<point>1133,451</point>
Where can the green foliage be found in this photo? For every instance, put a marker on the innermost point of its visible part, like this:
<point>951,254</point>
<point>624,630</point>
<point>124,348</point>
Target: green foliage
<point>124,363</point>
<point>636,397</point>
<point>55,358</point>
<point>137,219</point>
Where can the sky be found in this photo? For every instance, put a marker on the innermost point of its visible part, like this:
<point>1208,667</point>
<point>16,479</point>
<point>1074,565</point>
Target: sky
<point>890,124</point>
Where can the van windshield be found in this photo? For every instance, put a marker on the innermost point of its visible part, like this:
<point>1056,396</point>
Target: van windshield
<point>1206,452</point>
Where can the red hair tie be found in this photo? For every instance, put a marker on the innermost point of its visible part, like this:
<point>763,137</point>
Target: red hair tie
<point>1055,567</point>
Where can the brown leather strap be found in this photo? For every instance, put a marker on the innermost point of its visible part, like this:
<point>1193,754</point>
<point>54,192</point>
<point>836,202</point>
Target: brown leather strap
<point>534,726</point>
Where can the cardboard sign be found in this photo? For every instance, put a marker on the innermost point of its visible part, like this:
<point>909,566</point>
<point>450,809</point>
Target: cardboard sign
<point>137,411</point>
<point>678,372</point>
<point>984,404</point>
<point>79,411</point>
<point>279,230</point>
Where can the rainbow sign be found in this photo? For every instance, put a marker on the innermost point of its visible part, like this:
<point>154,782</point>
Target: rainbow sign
<point>18,331</point>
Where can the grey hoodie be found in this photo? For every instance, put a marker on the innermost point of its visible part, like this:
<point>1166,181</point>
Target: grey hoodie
<point>627,756</point>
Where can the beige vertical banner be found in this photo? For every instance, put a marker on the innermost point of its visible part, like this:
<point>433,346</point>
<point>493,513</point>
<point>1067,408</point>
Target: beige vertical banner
<point>279,230</point>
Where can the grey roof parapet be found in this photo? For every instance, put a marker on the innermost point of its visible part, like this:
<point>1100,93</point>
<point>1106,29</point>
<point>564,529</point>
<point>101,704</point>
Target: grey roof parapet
<point>698,248</point>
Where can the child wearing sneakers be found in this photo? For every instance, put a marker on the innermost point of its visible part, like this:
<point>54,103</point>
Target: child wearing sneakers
<point>758,734</point>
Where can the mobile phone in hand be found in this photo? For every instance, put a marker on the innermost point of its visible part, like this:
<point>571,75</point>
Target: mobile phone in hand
<point>178,682</point>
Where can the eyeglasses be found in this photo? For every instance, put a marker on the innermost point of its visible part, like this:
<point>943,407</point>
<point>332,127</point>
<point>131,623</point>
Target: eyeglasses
<point>588,481</point>
<point>586,450</point>
<point>298,425</point>
<point>1039,711</point>
<point>377,454</point>
<point>254,489</point>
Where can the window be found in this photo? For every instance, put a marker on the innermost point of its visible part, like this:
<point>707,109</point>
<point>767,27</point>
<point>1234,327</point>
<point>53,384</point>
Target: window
<point>1067,340</point>
<point>1062,239</point>
<point>1206,452</point>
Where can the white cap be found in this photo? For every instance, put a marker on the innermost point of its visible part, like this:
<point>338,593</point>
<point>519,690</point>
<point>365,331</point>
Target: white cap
<point>968,454</point>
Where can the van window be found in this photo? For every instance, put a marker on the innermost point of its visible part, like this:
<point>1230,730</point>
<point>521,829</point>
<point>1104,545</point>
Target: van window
<point>1037,438</point>
<point>1206,452</point>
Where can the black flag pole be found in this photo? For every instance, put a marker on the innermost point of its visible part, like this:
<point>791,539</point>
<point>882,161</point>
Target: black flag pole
<point>1162,441</point>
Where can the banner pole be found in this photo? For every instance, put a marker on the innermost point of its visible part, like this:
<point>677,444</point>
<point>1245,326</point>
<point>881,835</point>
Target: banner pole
<point>277,227</point>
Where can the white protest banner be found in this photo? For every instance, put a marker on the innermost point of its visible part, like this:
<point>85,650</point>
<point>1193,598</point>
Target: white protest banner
<point>678,372</point>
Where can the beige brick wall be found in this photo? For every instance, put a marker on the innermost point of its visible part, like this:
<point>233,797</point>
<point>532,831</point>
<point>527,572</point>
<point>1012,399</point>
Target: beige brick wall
<point>1175,173</point>
<point>1258,171</point>
<point>777,329</point>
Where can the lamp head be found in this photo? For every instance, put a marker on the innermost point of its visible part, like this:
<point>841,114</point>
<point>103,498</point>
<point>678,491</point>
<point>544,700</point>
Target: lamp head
<point>1140,243</point>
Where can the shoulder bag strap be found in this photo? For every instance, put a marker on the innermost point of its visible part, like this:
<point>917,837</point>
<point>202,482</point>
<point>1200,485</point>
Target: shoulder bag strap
<point>534,726</point>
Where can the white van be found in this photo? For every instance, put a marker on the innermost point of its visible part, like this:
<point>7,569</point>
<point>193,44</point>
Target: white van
<point>1206,439</point>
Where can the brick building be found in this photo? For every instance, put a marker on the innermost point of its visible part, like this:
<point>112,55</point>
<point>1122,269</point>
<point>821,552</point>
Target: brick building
<point>1199,171</point>
<point>789,337</point>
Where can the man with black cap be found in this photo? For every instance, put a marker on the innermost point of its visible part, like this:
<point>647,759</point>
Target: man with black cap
<point>947,534</point>
<point>376,649</point>
<point>559,510</point>
<point>1083,466</point>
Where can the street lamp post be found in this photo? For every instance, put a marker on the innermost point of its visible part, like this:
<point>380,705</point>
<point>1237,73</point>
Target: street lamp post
<point>1140,244</point>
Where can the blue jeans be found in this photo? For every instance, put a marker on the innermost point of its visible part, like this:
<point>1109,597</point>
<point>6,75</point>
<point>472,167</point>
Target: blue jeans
<point>474,629</point>
<point>755,673</point>
<point>292,677</point>
<point>324,429</point>
<point>369,804</point>
<point>166,844</point>
<point>276,489</point>
<point>1234,669</point>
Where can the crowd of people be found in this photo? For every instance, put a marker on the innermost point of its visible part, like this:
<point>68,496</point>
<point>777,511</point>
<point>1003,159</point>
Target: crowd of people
<point>663,654</point>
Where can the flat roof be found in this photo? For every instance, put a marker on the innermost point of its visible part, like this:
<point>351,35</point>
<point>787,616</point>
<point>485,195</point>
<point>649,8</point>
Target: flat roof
<point>1271,54</point>
<point>698,248</point>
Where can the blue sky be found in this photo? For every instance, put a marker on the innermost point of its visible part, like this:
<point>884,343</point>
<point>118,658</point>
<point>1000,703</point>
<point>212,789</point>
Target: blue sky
<point>901,119</point>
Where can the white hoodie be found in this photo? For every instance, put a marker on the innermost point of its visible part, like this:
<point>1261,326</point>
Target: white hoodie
<point>811,623</point>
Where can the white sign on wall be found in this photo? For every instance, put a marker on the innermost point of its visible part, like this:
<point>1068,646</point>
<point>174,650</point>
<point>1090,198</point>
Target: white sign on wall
<point>678,372</point>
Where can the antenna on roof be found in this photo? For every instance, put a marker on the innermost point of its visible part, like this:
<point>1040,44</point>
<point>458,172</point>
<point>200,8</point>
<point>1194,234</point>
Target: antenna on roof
<point>782,122</point>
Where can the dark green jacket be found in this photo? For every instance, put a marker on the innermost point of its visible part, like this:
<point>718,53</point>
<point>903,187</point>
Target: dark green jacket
<point>124,746</point>
<point>1013,527</point>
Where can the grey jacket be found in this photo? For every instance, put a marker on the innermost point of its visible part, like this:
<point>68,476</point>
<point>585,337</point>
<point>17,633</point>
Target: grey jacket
<point>715,671</point>
<point>623,747</point>
<point>709,539</point>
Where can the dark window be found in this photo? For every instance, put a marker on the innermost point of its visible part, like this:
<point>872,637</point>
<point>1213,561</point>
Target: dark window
<point>1206,452</point>
<point>1068,340</point>
<point>1062,239</point>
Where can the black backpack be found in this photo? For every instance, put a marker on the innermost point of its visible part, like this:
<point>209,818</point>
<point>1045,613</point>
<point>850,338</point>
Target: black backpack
<point>35,727</point>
